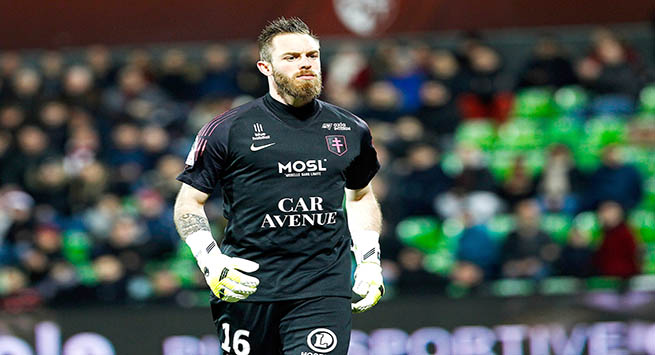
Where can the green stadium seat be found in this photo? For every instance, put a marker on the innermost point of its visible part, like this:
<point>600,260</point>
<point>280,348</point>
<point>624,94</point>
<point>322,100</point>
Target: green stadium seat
<point>534,103</point>
<point>648,264</point>
<point>564,130</point>
<point>479,133</point>
<point>603,131</point>
<point>557,226</point>
<point>587,223</point>
<point>520,134</point>
<point>647,99</point>
<point>648,202</point>
<point>185,271</point>
<point>571,100</point>
<point>501,163</point>
<point>604,284</point>
<point>500,225</point>
<point>440,261</point>
<point>422,233</point>
<point>642,158</point>
<point>86,274</point>
<point>643,223</point>
<point>451,163</point>
<point>77,247</point>
<point>513,287</point>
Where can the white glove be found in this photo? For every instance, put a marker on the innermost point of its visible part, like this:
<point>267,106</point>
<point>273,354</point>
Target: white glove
<point>221,271</point>
<point>368,274</point>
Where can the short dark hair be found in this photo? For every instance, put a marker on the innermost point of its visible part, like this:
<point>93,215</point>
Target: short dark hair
<point>279,26</point>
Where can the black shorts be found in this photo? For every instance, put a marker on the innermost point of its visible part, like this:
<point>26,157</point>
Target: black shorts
<point>312,326</point>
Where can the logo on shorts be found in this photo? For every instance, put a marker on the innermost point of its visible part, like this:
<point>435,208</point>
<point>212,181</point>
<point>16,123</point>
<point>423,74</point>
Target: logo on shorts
<point>322,340</point>
<point>337,144</point>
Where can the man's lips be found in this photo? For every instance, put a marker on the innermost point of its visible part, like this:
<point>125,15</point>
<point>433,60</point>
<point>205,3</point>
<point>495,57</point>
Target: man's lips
<point>306,76</point>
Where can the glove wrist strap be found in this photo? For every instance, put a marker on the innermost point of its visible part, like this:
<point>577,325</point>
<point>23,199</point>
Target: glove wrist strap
<point>366,246</point>
<point>202,244</point>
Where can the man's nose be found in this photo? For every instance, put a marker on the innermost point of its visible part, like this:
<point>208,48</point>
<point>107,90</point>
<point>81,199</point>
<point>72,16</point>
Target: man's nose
<point>305,63</point>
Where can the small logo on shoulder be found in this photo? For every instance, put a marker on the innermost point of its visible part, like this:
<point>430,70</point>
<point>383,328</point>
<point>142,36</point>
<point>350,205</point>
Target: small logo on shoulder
<point>322,340</point>
<point>337,144</point>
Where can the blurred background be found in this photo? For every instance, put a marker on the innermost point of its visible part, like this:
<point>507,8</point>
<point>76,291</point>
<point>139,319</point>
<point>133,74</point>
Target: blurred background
<point>517,142</point>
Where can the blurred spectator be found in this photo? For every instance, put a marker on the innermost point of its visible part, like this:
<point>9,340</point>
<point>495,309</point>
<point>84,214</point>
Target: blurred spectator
<point>438,111</point>
<point>49,185</point>
<point>220,75</point>
<point>528,252</point>
<point>88,186</point>
<point>485,85</point>
<point>53,118</point>
<point>477,253</point>
<point>618,254</point>
<point>27,86</point>
<point>10,62</point>
<point>383,102</point>
<point>472,189</point>
<point>248,78</point>
<point>99,61</point>
<point>406,77</point>
<point>519,185</point>
<point>126,157</point>
<point>407,131</point>
<point>548,66</point>
<point>444,67</point>
<point>79,89</point>
<point>51,66</point>
<point>11,118</point>
<point>421,181</point>
<point>155,141</point>
<point>348,69</point>
<point>162,178</point>
<point>136,99</point>
<point>576,257</point>
<point>413,278</point>
<point>614,180</point>
<point>175,75</point>
<point>32,148</point>
<point>560,182</point>
<point>607,70</point>
<point>474,174</point>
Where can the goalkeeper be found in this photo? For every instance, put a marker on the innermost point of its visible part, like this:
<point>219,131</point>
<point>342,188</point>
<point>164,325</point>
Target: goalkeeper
<point>284,163</point>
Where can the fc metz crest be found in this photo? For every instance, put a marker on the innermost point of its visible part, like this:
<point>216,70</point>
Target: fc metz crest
<point>337,144</point>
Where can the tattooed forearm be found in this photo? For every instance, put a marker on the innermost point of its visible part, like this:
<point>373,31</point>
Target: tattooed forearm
<point>189,223</point>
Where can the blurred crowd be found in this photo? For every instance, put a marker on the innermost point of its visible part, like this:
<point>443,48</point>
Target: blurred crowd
<point>90,147</point>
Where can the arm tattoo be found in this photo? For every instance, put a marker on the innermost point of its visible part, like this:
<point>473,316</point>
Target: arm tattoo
<point>189,223</point>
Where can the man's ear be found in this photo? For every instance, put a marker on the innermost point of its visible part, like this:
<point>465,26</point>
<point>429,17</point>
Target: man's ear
<point>265,68</point>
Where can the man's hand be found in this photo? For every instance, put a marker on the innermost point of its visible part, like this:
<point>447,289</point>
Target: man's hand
<point>368,284</point>
<point>368,274</point>
<point>225,275</point>
<point>225,280</point>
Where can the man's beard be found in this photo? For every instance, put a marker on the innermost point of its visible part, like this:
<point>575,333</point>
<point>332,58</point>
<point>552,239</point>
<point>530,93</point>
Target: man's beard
<point>304,90</point>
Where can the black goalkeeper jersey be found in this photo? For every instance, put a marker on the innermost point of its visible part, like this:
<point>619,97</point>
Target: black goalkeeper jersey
<point>282,172</point>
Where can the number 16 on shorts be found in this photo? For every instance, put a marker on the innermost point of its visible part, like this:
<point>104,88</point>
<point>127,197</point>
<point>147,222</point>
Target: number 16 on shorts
<point>239,341</point>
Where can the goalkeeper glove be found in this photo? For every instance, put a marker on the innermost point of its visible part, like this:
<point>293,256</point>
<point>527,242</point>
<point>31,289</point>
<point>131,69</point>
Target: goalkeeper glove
<point>368,273</point>
<point>221,271</point>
